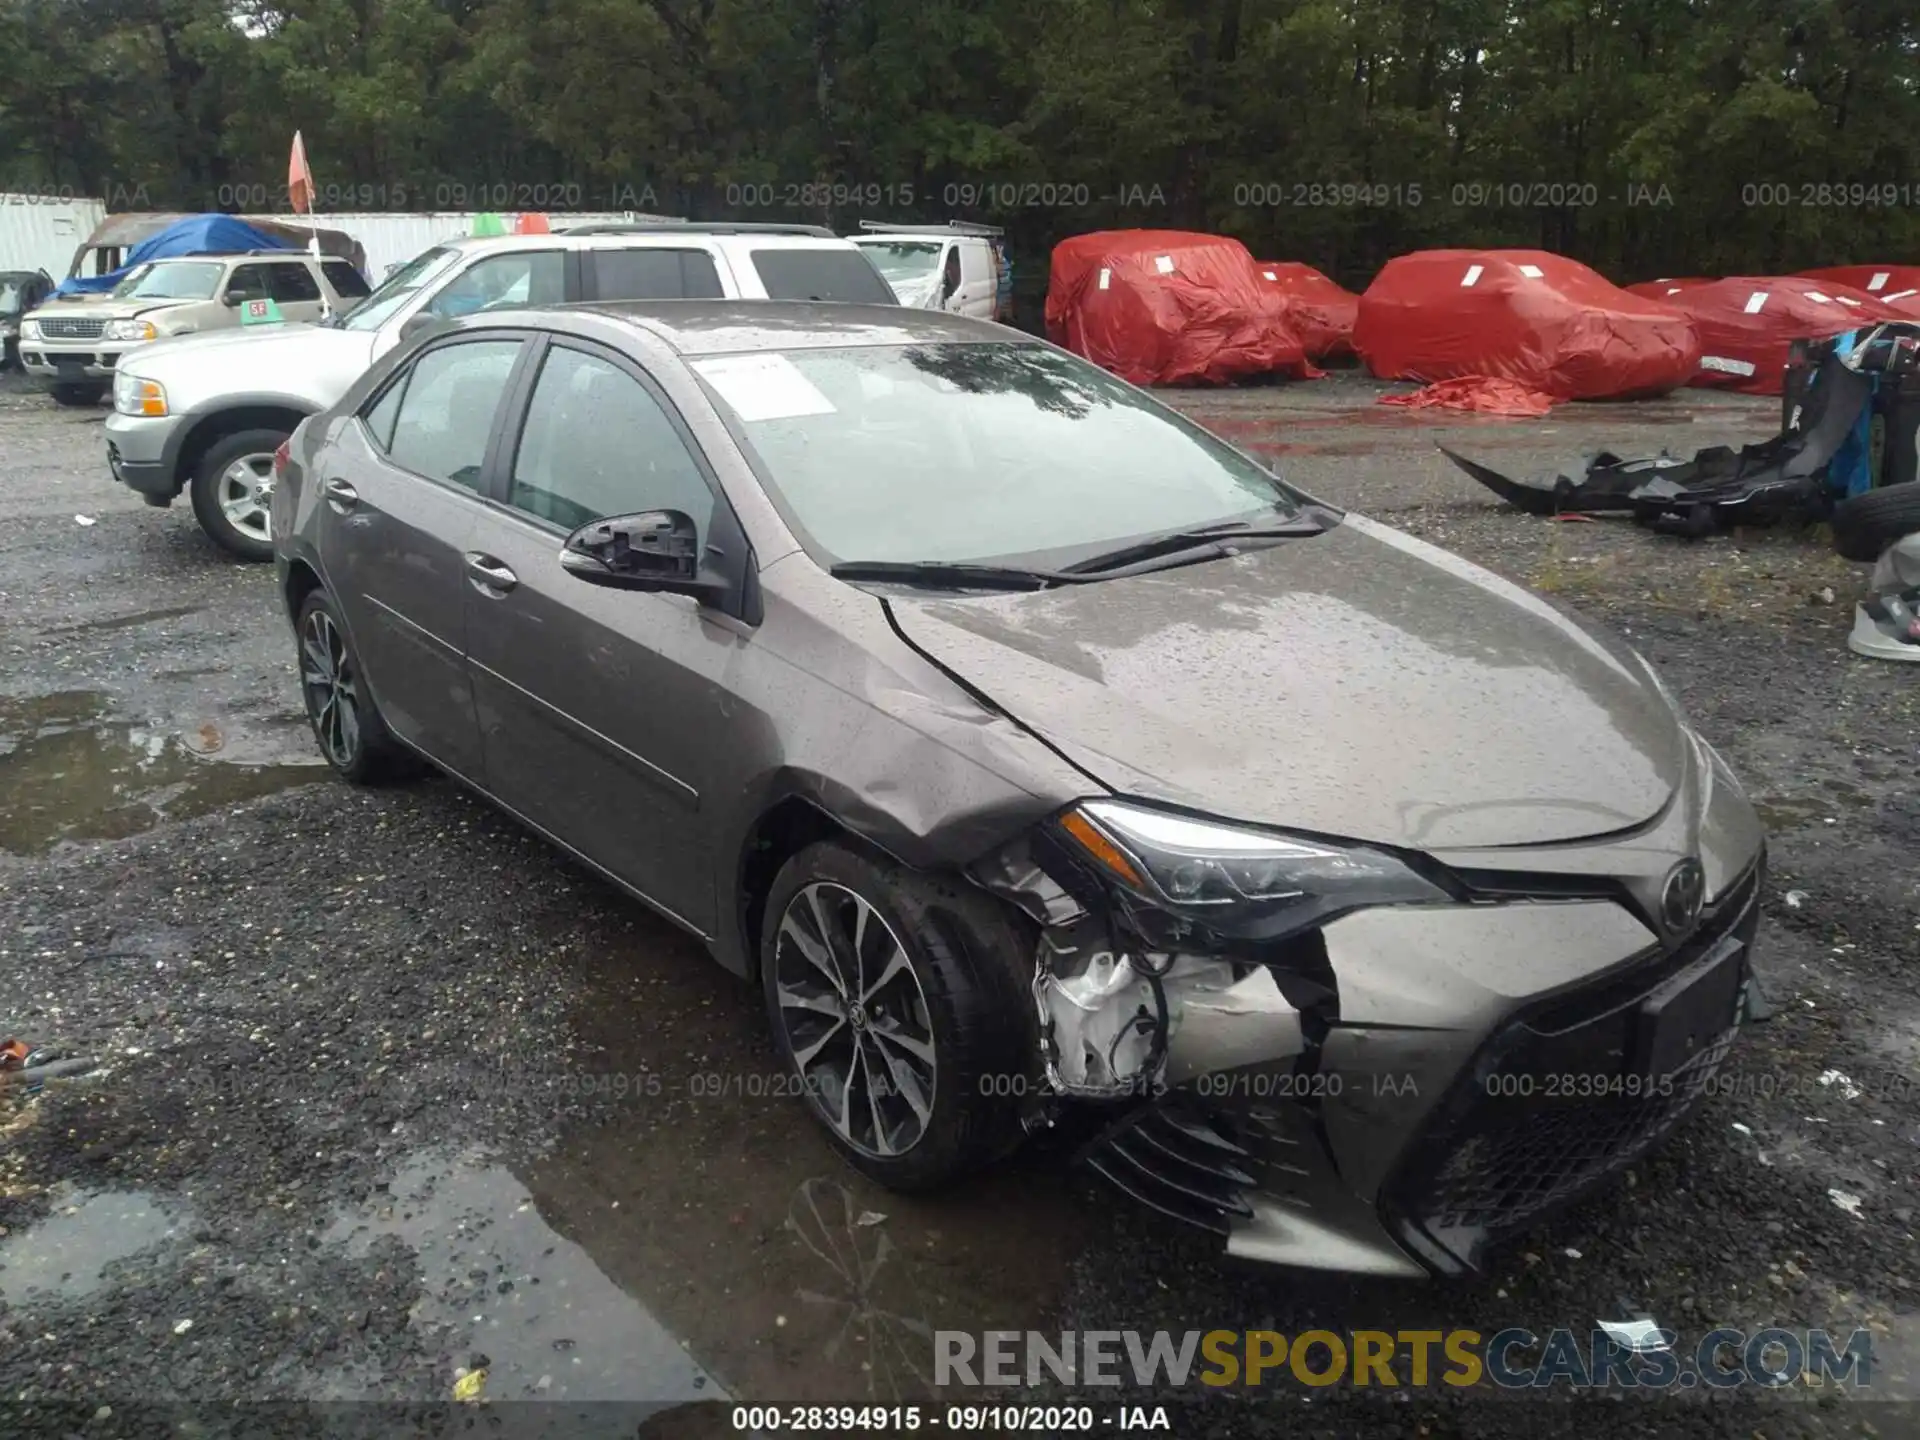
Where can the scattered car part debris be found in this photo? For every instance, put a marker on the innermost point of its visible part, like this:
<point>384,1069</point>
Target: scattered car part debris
<point>1481,394</point>
<point>1846,1201</point>
<point>1786,476</point>
<point>1796,898</point>
<point>1642,1336</point>
<point>28,1068</point>
<point>1847,1087</point>
<point>1884,526</point>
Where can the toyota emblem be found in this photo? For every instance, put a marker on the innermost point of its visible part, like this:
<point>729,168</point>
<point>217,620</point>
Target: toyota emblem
<point>1682,895</point>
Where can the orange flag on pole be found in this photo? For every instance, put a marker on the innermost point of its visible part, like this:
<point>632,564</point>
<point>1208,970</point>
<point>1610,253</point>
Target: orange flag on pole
<point>299,178</point>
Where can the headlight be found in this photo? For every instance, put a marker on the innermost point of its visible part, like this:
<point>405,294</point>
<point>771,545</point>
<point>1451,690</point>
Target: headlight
<point>130,330</point>
<point>29,329</point>
<point>1207,871</point>
<point>135,396</point>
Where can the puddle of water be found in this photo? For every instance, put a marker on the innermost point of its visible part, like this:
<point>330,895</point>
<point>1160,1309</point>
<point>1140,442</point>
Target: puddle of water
<point>713,1196</point>
<point>1790,812</point>
<point>66,1254</point>
<point>69,773</point>
<point>498,1281</point>
<point>129,622</point>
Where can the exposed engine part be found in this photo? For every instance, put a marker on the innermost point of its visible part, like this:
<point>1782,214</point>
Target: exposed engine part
<point>1109,1018</point>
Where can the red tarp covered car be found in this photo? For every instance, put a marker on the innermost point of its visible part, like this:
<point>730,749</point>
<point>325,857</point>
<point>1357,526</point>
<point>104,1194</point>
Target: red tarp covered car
<point>1540,319</point>
<point>1660,289</point>
<point>1319,311</point>
<point>1748,322</point>
<point>1168,307</point>
<point>1895,286</point>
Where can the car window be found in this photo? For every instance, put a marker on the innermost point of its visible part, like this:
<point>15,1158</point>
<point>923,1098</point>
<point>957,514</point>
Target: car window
<point>249,282</point>
<point>523,277</point>
<point>290,282</point>
<point>398,287</point>
<point>597,443</point>
<point>379,415</point>
<point>656,273</point>
<point>347,282</point>
<point>821,275</point>
<point>447,413</point>
<point>171,280</point>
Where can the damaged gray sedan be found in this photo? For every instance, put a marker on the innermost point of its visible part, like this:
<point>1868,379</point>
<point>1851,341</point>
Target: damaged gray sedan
<point>1036,752</point>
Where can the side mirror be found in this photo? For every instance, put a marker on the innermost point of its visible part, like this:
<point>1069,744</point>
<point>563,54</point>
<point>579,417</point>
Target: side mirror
<point>657,550</point>
<point>234,299</point>
<point>415,323</point>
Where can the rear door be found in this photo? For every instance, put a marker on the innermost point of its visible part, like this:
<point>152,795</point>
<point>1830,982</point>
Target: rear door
<point>400,496</point>
<point>653,272</point>
<point>979,279</point>
<point>598,707</point>
<point>293,288</point>
<point>347,285</point>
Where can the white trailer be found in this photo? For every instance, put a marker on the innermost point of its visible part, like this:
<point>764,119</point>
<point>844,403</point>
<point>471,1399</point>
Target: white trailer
<point>41,232</point>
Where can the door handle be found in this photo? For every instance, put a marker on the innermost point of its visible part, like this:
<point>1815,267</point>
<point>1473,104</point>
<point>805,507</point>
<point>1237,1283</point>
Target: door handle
<point>489,574</point>
<point>342,496</point>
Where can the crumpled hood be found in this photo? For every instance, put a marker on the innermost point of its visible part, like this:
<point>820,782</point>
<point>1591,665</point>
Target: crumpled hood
<point>1359,683</point>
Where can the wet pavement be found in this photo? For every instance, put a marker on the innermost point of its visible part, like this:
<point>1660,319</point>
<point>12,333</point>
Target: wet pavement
<point>397,1105</point>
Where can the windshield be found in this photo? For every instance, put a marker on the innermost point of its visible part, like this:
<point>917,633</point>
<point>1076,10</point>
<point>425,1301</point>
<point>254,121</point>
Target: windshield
<point>904,262</point>
<point>976,453</point>
<point>393,292</point>
<point>171,280</point>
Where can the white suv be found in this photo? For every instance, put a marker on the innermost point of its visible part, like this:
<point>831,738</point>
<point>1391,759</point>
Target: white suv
<point>206,413</point>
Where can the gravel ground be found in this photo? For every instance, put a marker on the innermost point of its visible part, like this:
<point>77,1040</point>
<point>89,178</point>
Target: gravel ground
<point>392,1093</point>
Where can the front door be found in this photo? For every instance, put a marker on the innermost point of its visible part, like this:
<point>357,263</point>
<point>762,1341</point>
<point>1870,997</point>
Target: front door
<point>598,707</point>
<point>399,499</point>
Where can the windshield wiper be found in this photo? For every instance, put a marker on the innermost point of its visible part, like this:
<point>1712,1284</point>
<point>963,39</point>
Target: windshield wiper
<point>1212,540</point>
<point>954,575</point>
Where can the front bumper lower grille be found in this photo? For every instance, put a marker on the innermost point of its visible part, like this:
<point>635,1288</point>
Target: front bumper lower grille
<point>1172,1158</point>
<point>1553,1106</point>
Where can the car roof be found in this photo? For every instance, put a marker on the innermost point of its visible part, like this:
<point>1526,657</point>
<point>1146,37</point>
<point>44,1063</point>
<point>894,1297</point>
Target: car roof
<point>771,237</point>
<point>726,327</point>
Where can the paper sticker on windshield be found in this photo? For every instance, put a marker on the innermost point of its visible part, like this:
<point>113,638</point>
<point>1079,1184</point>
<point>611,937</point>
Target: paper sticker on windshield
<point>1163,263</point>
<point>1880,277</point>
<point>1726,366</point>
<point>1755,301</point>
<point>1105,277</point>
<point>1474,272</point>
<point>1532,272</point>
<point>260,312</point>
<point>764,387</point>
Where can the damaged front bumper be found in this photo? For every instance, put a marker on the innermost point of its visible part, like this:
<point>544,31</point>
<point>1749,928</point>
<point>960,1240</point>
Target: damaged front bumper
<point>1393,1090</point>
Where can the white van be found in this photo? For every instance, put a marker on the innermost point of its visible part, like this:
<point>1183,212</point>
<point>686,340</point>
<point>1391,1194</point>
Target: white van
<point>958,267</point>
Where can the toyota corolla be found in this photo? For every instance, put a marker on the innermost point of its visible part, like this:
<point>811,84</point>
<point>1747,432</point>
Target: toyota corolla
<point>1034,751</point>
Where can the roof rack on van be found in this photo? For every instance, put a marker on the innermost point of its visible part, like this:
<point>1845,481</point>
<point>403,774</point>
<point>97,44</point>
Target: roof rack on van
<point>697,227</point>
<point>950,227</point>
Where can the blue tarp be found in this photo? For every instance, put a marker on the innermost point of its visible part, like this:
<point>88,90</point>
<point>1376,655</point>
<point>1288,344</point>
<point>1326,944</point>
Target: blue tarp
<point>196,235</point>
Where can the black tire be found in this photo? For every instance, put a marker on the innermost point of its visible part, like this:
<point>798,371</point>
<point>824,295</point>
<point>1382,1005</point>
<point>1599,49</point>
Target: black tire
<point>78,396</point>
<point>358,745</point>
<point>967,953</point>
<point>1867,524</point>
<point>209,481</point>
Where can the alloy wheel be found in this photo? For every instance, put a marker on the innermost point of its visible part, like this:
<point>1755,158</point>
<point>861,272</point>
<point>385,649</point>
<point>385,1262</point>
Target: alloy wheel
<point>856,1019</point>
<point>245,495</point>
<point>331,688</point>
